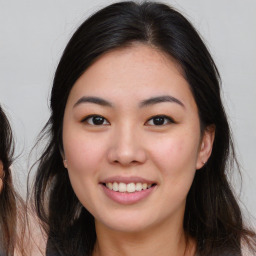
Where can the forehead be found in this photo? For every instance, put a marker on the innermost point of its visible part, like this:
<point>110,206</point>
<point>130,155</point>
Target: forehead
<point>138,71</point>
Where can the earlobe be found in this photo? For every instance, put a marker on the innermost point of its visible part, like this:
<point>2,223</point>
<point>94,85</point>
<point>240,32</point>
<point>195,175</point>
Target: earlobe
<point>206,144</point>
<point>63,157</point>
<point>65,163</point>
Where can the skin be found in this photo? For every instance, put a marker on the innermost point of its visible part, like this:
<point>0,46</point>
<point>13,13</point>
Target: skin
<point>128,144</point>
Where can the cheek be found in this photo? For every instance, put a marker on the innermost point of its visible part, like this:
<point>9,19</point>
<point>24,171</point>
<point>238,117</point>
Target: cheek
<point>172,153</point>
<point>84,162</point>
<point>176,160</point>
<point>175,157</point>
<point>82,153</point>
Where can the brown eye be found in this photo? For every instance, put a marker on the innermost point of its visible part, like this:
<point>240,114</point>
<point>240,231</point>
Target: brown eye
<point>159,120</point>
<point>96,120</point>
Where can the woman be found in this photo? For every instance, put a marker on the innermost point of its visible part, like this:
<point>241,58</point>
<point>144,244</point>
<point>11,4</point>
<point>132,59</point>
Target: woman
<point>11,206</point>
<point>140,146</point>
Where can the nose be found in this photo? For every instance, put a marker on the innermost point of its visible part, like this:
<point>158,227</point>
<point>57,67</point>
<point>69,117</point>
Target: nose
<point>126,147</point>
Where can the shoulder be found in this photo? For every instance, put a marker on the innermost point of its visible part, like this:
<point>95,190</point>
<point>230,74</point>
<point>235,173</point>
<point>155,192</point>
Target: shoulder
<point>248,245</point>
<point>247,252</point>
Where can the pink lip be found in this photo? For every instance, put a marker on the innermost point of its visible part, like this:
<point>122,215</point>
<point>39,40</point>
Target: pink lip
<point>127,198</point>
<point>127,180</point>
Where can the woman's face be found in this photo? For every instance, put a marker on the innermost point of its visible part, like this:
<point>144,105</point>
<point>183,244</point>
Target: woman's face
<point>132,141</point>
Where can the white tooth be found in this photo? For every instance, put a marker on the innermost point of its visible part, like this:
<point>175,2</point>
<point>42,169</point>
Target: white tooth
<point>149,186</point>
<point>138,186</point>
<point>109,185</point>
<point>130,187</point>
<point>144,186</point>
<point>122,187</point>
<point>115,186</point>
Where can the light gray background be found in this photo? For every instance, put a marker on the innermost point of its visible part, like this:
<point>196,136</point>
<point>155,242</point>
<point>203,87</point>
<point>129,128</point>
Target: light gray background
<point>33,35</point>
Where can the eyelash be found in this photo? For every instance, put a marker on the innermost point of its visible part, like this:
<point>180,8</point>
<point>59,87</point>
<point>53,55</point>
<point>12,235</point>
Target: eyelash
<point>167,120</point>
<point>86,119</point>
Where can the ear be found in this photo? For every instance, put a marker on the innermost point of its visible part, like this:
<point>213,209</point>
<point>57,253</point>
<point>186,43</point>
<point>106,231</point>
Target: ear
<point>65,163</point>
<point>205,147</point>
<point>61,152</point>
<point>63,157</point>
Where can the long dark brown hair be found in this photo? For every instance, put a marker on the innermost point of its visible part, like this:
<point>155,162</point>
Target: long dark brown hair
<point>11,204</point>
<point>212,215</point>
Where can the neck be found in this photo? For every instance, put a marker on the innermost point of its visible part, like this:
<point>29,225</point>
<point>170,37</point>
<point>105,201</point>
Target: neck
<point>160,240</point>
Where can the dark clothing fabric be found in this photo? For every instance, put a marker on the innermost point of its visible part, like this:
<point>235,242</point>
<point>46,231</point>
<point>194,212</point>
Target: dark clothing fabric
<point>52,248</point>
<point>55,248</point>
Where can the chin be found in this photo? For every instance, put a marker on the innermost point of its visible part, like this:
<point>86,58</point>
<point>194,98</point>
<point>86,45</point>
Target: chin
<point>127,222</point>
<point>128,227</point>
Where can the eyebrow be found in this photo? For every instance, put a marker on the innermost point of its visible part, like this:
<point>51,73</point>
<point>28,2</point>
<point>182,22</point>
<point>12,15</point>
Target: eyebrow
<point>94,100</point>
<point>160,99</point>
<point>144,103</point>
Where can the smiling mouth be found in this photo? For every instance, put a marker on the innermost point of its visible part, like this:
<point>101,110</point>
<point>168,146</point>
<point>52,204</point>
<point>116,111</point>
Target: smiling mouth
<point>128,188</point>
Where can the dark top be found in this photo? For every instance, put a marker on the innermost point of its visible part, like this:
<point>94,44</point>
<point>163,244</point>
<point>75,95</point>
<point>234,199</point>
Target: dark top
<point>52,249</point>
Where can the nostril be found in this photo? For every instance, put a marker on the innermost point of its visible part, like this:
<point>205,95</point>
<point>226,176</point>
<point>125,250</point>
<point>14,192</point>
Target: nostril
<point>126,154</point>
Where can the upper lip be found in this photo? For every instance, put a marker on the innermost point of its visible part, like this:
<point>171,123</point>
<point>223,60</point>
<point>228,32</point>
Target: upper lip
<point>127,180</point>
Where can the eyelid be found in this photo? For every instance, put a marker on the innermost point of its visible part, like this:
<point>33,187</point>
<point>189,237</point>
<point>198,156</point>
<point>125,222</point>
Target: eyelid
<point>168,118</point>
<point>85,119</point>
